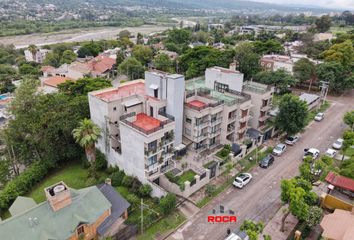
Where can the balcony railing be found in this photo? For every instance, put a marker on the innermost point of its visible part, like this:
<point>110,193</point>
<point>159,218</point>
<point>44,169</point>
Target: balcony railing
<point>216,121</point>
<point>266,108</point>
<point>245,119</point>
<point>263,118</point>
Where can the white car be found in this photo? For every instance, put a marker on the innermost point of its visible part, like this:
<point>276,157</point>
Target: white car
<point>315,171</point>
<point>313,152</point>
<point>331,152</point>
<point>237,236</point>
<point>279,149</point>
<point>242,180</point>
<point>291,140</point>
<point>338,144</point>
<point>319,117</point>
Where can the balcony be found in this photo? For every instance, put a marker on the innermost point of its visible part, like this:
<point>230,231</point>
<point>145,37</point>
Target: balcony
<point>216,121</point>
<point>215,133</point>
<point>200,137</point>
<point>266,108</point>
<point>242,130</point>
<point>263,118</point>
<point>231,119</point>
<point>202,125</point>
<point>246,118</point>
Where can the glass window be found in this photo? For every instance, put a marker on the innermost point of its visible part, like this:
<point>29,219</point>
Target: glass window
<point>188,120</point>
<point>152,145</point>
<point>80,230</point>
<point>152,160</point>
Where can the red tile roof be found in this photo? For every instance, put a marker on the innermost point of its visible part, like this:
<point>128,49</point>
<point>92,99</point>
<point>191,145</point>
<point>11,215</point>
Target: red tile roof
<point>197,103</point>
<point>146,122</point>
<point>340,181</point>
<point>55,81</point>
<point>101,64</point>
<point>122,92</point>
<point>47,69</point>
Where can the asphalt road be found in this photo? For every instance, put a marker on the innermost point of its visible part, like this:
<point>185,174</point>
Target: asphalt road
<point>260,199</point>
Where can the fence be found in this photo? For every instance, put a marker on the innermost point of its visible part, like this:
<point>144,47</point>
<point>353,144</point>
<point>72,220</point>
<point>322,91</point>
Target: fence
<point>126,233</point>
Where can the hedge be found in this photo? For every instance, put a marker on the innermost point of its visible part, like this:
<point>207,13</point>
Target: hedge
<point>23,183</point>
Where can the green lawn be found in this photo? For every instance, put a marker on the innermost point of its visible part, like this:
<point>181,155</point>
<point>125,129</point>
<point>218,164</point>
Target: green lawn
<point>349,152</point>
<point>186,176</point>
<point>163,226</point>
<point>336,30</point>
<point>74,175</point>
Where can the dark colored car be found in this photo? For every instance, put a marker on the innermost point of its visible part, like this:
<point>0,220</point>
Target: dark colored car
<point>267,161</point>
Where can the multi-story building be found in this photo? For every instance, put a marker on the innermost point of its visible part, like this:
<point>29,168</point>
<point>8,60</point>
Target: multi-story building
<point>261,97</point>
<point>216,111</point>
<point>277,62</point>
<point>141,123</point>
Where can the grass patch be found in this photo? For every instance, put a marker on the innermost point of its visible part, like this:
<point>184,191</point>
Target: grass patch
<point>164,225</point>
<point>186,176</point>
<point>123,191</point>
<point>349,152</point>
<point>338,29</point>
<point>74,175</point>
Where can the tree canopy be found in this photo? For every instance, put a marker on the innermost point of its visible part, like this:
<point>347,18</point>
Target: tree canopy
<point>248,60</point>
<point>292,114</point>
<point>132,68</point>
<point>304,70</point>
<point>280,78</point>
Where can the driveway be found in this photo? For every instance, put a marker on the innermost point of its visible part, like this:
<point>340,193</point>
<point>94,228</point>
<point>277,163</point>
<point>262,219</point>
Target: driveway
<point>260,199</point>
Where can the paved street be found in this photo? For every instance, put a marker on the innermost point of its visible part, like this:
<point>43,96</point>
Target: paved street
<point>260,199</point>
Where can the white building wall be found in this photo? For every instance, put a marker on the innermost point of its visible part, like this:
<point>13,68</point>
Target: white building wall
<point>283,65</point>
<point>233,79</point>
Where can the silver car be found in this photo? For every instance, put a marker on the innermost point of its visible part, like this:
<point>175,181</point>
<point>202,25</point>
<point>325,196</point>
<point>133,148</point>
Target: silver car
<point>279,149</point>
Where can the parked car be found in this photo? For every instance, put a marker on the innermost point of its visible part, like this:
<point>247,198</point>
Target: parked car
<point>242,180</point>
<point>331,152</point>
<point>291,140</point>
<point>237,236</point>
<point>313,152</point>
<point>319,117</point>
<point>279,149</point>
<point>267,161</point>
<point>338,144</point>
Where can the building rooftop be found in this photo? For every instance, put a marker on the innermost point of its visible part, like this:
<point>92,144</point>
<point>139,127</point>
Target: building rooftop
<point>146,122</point>
<point>101,64</point>
<point>256,87</point>
<point>340,181</point>
<point>197,103</point>
<point>41,222</point>
<point>55,81</point>
<point>309,98</point>
<point>225,70</point>
<point>227,98</point>
<point>338,225</point>
<point>125,90</point>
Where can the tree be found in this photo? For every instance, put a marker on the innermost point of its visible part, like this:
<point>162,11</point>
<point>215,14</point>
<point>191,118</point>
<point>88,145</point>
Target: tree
<point>292,114</point>
<point>89,49</point>
<point>142,53</point>
<point>252,229</point>
<point>304,70</point>
<point>28,69</point>
<point>248,60</point>
<point>168,203</point>
<point>68,57</point>
<point>33,49</point>
<point>86,135</point>
<point>52,59</point>
<point>124,34</point>
<point>120,58</point>
<point>83,86</point>
<point>349,119</point>
<point>280,78</point>
<point>323,23</point>
<point>314,216</point>
<point>139,38</point>
<point>268,47</point>
<point>162,62</point>
<point>336,74</point>
<point>179,36</point>
<point>299,197</point>
<point>132,68</point>
<point>341,52</point>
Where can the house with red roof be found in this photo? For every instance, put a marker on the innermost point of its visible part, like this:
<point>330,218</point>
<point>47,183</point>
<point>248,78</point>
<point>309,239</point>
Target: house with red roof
<point>50,84</point>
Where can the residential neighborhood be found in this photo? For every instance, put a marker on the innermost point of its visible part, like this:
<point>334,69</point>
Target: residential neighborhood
<point>235,122</point>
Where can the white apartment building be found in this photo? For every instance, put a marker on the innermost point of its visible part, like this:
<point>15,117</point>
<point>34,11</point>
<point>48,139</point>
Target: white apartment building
<point>261,97</point>
<point>38,57</point>
<point>276,62</point>
<point>142,124</point>
<point>215,111</point>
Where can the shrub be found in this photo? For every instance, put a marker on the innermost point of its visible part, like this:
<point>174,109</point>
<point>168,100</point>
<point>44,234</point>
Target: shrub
<point>117,178</point>
<point>145,190</point>
<point>133,200</point>
<point>23,183</point>
<point>127,181</point>
<point>168,203</point>
<point>210,190</point>
<point>84,163</point>
<point>135,185</point>
<point>101,163</point>
<point>112,169</point>
<point>171,177</point>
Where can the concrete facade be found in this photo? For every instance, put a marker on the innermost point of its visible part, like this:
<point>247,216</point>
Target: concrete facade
<point>277,62</point>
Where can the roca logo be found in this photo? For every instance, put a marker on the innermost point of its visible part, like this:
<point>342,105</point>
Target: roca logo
<point>221,215</point>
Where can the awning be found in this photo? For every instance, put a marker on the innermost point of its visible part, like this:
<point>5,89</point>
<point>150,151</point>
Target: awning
<point>253,133</point>
<point>132,102</point>
<point>154,86</point>
<point>180,147</point>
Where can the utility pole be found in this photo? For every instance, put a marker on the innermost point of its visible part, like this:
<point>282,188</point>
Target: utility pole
<point>142,207</point>
<point>324,91</point>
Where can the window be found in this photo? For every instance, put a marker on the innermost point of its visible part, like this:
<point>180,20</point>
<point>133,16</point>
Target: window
<point>80,230</point>
<point>152,160</point>
<point>220,87</point>
<point>187,131</point>
<point>213,118</point>
<point>116,122</point>
<point>152,145</point>
<point>115,108</point>
<point>188,120</point>
<point>198,121</point>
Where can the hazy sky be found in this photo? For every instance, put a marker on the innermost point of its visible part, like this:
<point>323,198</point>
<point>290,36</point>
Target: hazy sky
<point>348,4</point>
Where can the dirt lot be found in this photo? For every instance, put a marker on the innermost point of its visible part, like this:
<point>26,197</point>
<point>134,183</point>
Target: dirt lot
<point>76,35</point>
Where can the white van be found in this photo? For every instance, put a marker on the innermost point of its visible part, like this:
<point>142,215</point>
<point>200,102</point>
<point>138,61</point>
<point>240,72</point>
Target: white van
<point>237,236</point>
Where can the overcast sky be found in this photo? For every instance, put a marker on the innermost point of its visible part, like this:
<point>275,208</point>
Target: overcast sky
<point>343,4</point>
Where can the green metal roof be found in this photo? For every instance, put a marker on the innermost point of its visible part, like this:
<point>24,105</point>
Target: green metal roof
<point>41,222</point>
<point>21,204</point>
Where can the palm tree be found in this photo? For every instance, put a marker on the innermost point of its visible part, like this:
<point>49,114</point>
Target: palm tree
<point>33,49</point>
<point>86,135</point>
